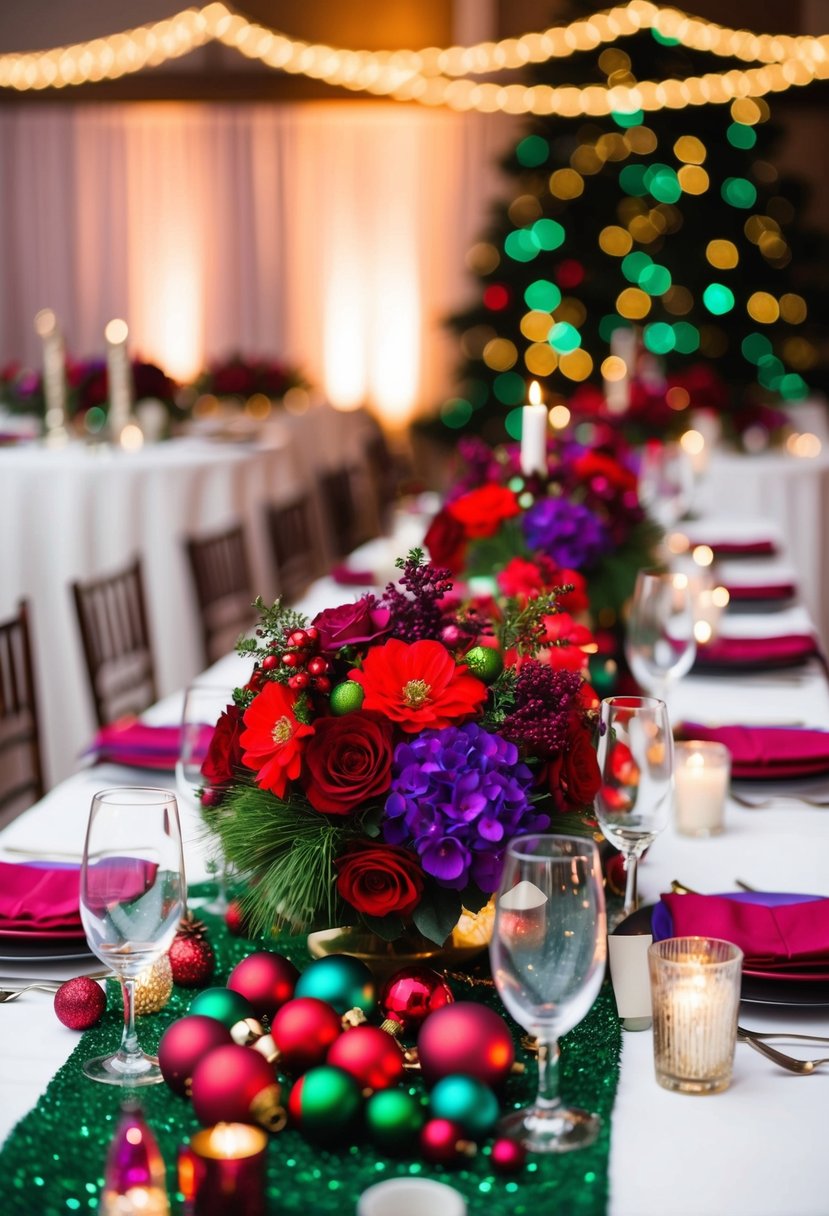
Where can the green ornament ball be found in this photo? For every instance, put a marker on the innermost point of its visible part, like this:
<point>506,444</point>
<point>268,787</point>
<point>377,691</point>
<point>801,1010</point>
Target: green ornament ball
<point>325,1104</point>
<point>394,1119</point>
<point>223,1004</point>
<point>341,980</point>
<point>484,662</point>
<point>466,1101</point>
<point>346,697</point>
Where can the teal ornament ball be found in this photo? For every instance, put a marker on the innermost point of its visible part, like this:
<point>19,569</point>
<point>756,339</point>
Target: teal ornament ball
<point>223,1004</point>
<point>466,1101</point>
<point>341,980</point>
<point>325,1104</point>
<point>394,1119</point>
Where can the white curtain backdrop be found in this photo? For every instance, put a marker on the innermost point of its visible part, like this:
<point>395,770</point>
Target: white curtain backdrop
<point>332,235</point>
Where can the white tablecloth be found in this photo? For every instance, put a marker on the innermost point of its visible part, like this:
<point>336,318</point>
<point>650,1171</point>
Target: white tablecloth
<point>754,1150</point>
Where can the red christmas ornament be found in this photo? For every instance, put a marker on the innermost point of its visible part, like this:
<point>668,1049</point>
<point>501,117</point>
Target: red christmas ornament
<point>303,1030</point>
<point>235,919</point>
<point>508,1156</point>
<point>184,1043</point>
<point>412,994</point>
<point>191,956</point>
<point>369,1055</point>
<point>443,1142</point>
<point>233,1084</point>
<point>266,979</point>
<point>465,1038</point>
<point>79,1003</point>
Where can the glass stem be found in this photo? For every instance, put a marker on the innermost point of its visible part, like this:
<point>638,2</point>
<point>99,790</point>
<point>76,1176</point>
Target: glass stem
<point>548,1098</point>
<point>130,1048</point>
<point>631,893</point>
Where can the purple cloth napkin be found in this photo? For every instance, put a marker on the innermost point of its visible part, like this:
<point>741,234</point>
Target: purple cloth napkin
<point>346,577</point>
<point>138,745</point>
<point>761,591</point>
<point>767,751</point>
<point>780,937</point>
<point>783,651</point>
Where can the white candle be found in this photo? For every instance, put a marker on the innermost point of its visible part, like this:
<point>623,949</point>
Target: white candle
<point>701,776</point>
<point>119,377</point>
<point>534,435</point>
<point>54,371</point>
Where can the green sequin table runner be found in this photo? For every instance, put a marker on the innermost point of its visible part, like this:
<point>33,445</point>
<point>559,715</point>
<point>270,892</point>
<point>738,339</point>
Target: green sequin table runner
<point>53,1161</point>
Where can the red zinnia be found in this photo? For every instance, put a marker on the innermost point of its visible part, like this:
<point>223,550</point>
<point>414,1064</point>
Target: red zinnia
<point>481,512</point>
<point>418,685</point>
<point>271,743</point>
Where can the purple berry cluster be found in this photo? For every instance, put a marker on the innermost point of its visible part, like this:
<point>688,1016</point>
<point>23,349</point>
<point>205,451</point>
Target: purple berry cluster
<point>544,702</point>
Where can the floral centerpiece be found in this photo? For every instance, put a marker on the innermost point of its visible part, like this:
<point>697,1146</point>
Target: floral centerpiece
<point>86,387</point>
<point>381,756</point>
<point>581,524</point>
<point>242,376</point>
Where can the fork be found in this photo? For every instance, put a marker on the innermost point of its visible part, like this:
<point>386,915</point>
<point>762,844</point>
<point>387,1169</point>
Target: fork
<point>11,994</point>
<point>799,1067</point>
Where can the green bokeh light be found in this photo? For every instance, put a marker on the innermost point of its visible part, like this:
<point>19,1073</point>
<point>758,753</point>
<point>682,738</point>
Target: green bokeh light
<point>564,337</point>
<point>632,180</point>
<point>634,119</point>
<point>655,279</point>
<point>662,182</point>
<point>739,192</point>
<point>741,136</point>
<point>512,423</point>
<point>664,39</point>
<point>609,323</point>
<point>635,265</point>
<point>509,388</point>
<point>521,245</point>
<point>755,346</point>
<point>542,295</point>
<point>95,419</point>
<point>455,413</point>
<point>532,151</point>
<point>659,337</point>
<point>770,371</point>
<point>793,387</point>
<point>686,337</point>
<point>548,234</point>
<point>718,299</point>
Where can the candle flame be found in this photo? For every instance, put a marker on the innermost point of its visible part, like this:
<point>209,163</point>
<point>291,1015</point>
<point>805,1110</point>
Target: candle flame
<point>116,331</point>
<point>535,393</point>
<point>46,323</point>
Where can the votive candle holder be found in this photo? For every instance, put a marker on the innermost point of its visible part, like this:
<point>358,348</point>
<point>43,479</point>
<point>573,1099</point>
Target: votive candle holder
<point>222,1171</point>
<point>695,991</point>
<point>702,773</point>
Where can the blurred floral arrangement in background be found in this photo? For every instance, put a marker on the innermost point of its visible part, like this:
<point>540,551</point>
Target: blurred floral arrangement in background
<point>243,376</point>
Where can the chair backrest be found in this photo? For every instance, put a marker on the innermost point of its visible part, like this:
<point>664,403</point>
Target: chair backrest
<point>383,475</point>
<point>344,517</point>
<point>224,589</point>
<point>112,616</point>
<point>291,533</point>
<point>21,772</point>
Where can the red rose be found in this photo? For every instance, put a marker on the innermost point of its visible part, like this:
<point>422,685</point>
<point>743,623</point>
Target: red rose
<point>598,465</point>
<point>574,777</point>
<point>224,753</point>
<point>351,624</point>
<point>347,762</point>
<point>446,541</point>
<point>380,880</point>
<point>481,512</point>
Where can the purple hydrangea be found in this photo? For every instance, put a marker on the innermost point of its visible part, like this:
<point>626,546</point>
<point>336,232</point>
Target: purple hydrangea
<point>567,531</point>
<point>458,796</point>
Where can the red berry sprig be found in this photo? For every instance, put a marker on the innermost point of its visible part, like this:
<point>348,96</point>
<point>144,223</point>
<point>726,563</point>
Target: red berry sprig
<point>309,669</point>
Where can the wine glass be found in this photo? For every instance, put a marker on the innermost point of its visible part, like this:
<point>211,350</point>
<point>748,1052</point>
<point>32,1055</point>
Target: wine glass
<point>660,643</point>
<point>132,897</point>
<point>666,482</point>
<point>203,705</point>
<point>635,755</point>
<point>548,955</point>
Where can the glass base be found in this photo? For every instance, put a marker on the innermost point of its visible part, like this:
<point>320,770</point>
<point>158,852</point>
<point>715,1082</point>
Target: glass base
<point>693,1085</point>
<point>637,1023</point>
<point>113,1070</point>
<point>560,1131</point>
<point>217,906</point>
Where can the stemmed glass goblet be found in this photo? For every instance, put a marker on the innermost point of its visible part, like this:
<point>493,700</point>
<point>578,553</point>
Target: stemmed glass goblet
<point>635,755</point>
<point>203,705</point>
<point>548,953</point>
<point>660,643</point>
<point>666,482</point>
<point>132,896</point>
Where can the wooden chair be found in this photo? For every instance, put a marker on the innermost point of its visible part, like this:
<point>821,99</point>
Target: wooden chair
<point>343,514</point>
<point>224,589</point>
<point>381,467</point>
<point>112,616</point>
<point>294,552</point>
<point>21,771</point>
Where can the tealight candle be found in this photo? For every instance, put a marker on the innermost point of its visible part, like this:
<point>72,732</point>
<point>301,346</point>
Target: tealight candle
<point>695,989</point>
<point>222,1171</point>
<point>534,435</point>
<point>701,775</point>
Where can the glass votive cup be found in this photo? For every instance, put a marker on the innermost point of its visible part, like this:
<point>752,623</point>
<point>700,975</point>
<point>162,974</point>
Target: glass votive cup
<point>411,1197</point>
<point>221,1172</point>
<point>702,772</point>
<point>695,992</point>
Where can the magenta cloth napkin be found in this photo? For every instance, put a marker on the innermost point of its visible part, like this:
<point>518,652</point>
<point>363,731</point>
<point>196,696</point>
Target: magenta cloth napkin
<point>760,591</point>
<point>783,651</point>
<point>138,745</point>
<point>741,548</point>
<point>787,937</point>
<point>39,897</point>
<point>346,577</point>
<point>767,751</point>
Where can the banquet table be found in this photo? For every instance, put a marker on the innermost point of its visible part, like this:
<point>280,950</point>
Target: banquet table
<point>753,1150</point>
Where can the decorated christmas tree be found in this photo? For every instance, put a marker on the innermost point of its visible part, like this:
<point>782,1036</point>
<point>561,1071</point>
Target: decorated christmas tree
<point>645,263</point>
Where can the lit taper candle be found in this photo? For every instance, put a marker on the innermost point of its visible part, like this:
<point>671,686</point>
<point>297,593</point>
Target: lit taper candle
<point>534,435</point>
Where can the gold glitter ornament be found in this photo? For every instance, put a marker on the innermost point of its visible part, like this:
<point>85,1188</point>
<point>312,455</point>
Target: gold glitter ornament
<point>154,987</point>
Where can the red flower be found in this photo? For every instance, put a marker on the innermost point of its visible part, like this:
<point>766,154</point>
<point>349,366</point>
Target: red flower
<point>271,743</point>
<point>351,624</point>
<point>418,685</point>
<point>224,754</point>
<point>481,512</point>
<point>446,541</point>
<point>598,465</point>
<point>575,600</point>
<point>347,762</point>
<point>523,579</point>
<point>380,880</point>
<point>574,777</point>
<point>577,639</point>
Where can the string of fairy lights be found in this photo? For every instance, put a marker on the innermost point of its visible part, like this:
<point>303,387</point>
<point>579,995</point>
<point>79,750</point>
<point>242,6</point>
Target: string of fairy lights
<point>444,76</point>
